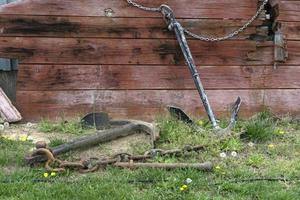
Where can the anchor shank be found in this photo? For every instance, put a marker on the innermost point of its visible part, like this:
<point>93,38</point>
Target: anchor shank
<point>191,64</point>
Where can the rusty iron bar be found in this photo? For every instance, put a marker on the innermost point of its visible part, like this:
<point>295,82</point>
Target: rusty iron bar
<point>207,166</point>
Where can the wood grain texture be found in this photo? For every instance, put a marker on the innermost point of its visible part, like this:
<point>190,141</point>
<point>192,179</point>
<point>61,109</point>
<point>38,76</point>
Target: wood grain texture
<point>291,30</point>
<point>118,77</point>
<point>7,110</point>
<point>132,51</point>
<point>104,27</point>
<point>289,11</point>
<point>229,9</point>
<point>144,104</point>
<point>283,101</point>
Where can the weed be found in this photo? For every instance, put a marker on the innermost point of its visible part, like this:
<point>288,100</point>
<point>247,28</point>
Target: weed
<point>261,128</point>
<point>69,127</point>
<point>232,144</point>
<point>255,160</point>
<point>56,142</point>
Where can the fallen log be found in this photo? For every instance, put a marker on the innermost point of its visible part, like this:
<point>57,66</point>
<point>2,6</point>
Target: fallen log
<point>8,112</point>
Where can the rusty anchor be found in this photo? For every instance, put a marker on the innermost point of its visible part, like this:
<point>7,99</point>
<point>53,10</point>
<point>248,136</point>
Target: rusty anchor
<point>174,25</point>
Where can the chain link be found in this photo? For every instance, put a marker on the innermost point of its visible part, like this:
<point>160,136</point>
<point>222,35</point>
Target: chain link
<point>152,9</point>
<point>207,38</point>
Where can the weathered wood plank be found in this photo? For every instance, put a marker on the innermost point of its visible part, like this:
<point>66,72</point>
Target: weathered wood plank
<point>73,77</point>
<point>7,111</point>
<point>104,27</point>
<point>132,51</point>
<point>289,11</point>
<point>230,9</point>
<point>136,104</point>
<point>283,101</point>
<point>291,30</point>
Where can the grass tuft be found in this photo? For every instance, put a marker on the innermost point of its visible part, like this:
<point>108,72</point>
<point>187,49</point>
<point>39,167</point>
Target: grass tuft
<point>67,127</point>
<point>261,128</point>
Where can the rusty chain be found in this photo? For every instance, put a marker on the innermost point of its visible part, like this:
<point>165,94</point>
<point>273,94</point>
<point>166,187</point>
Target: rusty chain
<point>93,164</point>
<point>201,37</point>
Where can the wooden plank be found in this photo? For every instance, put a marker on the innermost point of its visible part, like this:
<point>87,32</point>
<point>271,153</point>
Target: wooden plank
<point>283,77</point>
<point>7,111</point>
<point>289,11</point>
<point>136,104</point>
<point>230,9</point>
<point>291,30</point>
<point>283,101</point>
<point>73,77</point>
<point>131,51</point>
<point>104,27</point>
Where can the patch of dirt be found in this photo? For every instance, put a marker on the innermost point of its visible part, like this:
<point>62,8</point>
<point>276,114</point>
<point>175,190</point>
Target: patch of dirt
<point>129,144</point>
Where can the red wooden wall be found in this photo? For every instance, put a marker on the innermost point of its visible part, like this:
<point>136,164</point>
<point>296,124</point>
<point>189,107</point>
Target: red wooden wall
<point>75,59</point>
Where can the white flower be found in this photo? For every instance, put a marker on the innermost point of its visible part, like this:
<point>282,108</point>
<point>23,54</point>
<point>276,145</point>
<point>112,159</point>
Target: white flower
<point>234,154</point>
<point>1,127</point>
<point>30,138</point>
<point>6,124</point>
<point>188,180</point>
<point>223,155</point>
<point>251,144</point>
<point>29,125</point>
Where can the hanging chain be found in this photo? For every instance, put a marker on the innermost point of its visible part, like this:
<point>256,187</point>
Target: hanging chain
<point>207,38</point>
<point>158,9</point>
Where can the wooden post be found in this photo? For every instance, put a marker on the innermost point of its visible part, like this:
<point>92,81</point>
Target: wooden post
<point>7,110</point>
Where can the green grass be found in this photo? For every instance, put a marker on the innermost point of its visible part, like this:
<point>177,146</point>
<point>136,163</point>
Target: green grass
<point>261,128</point>
<point>275,156</point>
<point>65,127</point>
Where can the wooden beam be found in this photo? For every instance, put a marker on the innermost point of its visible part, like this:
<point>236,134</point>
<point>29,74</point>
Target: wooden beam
<point>142,77</point>
<point>229,9</point>
<point>132,51</point>
<point>104,27</point>
<point>7,111</point>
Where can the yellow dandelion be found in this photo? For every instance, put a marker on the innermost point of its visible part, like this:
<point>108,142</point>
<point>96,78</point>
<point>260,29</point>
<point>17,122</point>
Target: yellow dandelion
<point>281,132</point>
<point>218,167</point>
<point>271,146</point>
<point>53,174</point>
<point>46,174</point>
<point>200,122</point>
<point>183,187</point>
<point>23,138</point>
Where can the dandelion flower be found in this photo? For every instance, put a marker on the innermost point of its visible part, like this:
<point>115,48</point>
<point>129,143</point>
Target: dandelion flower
<point>29,125</point>
<point>200,122</point>
<point>251,144</point>
<point>188,180</point>
<point>281,132</point>
<point>223,155</point>
<point>6,124</point>
<point>218,167</point>
<point>23,138</point>
<point>30,138</point>
<point>183,188</point>
<point>271,146</point>
<point>234,154</point>
<point>46,174</point>
<point>53,174</point>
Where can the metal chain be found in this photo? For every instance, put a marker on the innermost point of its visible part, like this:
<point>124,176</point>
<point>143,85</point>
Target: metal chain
<point>158,9</point>
<point>207,38</point>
